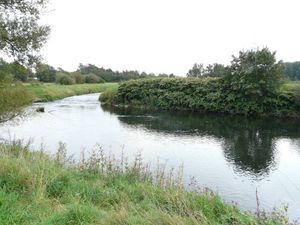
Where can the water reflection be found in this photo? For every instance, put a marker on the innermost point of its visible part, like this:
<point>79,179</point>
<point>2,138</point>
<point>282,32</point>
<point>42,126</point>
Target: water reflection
<point>248,143</point>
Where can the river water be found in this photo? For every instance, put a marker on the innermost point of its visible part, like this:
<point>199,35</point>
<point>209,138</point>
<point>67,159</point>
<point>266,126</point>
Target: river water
<point>232,155</point>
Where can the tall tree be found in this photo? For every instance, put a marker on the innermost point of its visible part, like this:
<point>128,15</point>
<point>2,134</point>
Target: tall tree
<point>255,73</point>
<point>196,71</point>
<point>21,35</point>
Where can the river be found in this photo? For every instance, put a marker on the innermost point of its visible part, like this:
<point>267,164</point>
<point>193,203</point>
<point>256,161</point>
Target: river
<point>232,155</point>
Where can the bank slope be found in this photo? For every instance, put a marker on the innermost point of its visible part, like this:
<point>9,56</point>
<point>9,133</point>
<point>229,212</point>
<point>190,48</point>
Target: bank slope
<point>38,189</point>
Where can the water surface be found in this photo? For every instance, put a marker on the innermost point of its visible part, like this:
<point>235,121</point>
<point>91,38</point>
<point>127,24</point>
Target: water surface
<point>232,155</point>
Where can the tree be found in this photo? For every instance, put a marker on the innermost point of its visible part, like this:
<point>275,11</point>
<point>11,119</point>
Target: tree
<point>255,73</point>
<point>292,70</point>
<point>45,73</point>
<point>21,35</point>
<point>215,70</point>
<point>196,71</point>
<point>78,77</point>
<point>64,78</point>
<point>92,78</point>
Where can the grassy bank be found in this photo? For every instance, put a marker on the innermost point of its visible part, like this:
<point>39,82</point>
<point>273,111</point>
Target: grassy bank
<point>36,188</point>
<point>50,92</point>
<point>205,94</point>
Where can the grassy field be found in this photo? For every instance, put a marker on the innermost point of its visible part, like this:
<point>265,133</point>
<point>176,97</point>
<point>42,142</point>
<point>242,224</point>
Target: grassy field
<point>50,92</point>
<point>36,188</point>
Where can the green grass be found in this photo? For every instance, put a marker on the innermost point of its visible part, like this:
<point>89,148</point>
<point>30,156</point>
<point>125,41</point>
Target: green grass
<point>36,188</point>
<point>291,86</point>
<point>13,97</point>
<point>50,92</point>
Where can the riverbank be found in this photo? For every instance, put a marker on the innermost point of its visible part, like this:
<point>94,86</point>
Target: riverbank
<point>103,190</point>
<point>205,94</point>
<point>50,92</point>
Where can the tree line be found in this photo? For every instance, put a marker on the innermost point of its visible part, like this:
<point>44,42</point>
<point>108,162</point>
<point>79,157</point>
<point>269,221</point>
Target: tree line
<point>291,70</point>
<point>88,73</point>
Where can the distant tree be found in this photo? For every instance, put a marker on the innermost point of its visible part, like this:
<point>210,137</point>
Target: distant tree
<point>255,73</point>
<point>14,70</point>
<point>196,71</point>
<point>19,71</point>
<point>163,75</point>
<point>215,70</point>
<point>78,77</point>
<point>21,35</point>
<point>92,78</point>
<point>292,70</point>
<point>45,73</point>
<point>64,78</point>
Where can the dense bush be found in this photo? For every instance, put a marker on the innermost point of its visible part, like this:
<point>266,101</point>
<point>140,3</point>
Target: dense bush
<point>249,86</point>
<point>78,77</point>
<point>64,78</point>
<point>92,78</point>
<point>209,94</point>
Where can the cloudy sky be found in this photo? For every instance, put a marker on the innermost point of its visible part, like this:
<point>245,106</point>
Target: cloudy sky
<point>167,36</point>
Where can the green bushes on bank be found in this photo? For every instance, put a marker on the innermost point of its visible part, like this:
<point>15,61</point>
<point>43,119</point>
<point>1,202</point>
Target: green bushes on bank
<point>207,94</point>
<point>251,85</point>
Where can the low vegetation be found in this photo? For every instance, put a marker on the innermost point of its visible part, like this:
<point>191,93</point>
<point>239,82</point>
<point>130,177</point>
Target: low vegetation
<point>36,188</point>
<point>50,92</point>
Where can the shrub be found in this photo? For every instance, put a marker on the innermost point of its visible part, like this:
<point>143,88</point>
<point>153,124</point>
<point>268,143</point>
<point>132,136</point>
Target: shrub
<point>65,79</point>
<point>92,78</point>
<point>78,77</point>
<point>107,96</point>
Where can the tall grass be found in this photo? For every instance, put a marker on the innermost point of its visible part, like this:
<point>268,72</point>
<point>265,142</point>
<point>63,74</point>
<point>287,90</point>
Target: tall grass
<point>13,97</point>
<point>36,188</point>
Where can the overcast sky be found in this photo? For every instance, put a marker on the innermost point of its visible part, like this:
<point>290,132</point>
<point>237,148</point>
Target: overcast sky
<point>167,36</point>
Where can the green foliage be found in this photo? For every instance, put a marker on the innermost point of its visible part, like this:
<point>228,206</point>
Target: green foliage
<point>208,94</point>
<point>14,69</point>
<point>292,70</point>
<point>196,71</point>
<point>109,75</point>
<point>107,96</point>
<point>13,97</point>
<point>105,190</point>
<point>251,85</point>
<point>92,79</point>
<point>45,73</point>
<point>255,74</point>
<point>78,77</point>
<point>64,78</point>
<point>21,35</point>
<point>211,70</point>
